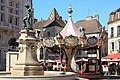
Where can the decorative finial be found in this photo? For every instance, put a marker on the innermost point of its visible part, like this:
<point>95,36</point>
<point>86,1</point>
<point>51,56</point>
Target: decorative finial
<point>70,11</point>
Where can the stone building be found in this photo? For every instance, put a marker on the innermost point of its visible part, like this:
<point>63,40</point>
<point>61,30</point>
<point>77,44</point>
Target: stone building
<point>114,32</point>
<point>52,26</point>
<point>93,27</point>
<point>11,15</point>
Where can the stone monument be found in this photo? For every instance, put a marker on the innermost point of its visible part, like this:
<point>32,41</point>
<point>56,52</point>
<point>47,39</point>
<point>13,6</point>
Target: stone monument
<point>27,63</point>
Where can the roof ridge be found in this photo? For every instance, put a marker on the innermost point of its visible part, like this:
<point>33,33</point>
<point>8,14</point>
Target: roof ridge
<point>54,14</point>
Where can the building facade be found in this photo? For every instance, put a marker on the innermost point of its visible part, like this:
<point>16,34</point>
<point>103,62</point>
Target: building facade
<point>11,15</point>
<point>114,32</point>
<point>93,27</point>
<point>52,26</point>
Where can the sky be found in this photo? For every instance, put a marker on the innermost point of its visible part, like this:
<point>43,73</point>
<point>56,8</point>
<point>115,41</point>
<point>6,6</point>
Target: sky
<point>81,9</point>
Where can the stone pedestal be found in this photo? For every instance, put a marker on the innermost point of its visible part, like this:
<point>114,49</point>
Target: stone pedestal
<point>27,64</point>
<point>11,58</point>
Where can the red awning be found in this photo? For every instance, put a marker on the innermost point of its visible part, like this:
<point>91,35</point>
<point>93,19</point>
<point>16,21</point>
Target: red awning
<point>113,56</point>
<point>115,60</point>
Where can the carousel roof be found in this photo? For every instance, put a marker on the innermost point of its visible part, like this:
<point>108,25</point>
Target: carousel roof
<point>70,28</point>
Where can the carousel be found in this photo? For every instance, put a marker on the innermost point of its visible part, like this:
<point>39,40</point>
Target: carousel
<point>71,42</point>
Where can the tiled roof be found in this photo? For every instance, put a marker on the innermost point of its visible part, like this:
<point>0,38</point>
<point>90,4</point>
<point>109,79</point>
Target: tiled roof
<point>54,17</point>
<point>91,26</point>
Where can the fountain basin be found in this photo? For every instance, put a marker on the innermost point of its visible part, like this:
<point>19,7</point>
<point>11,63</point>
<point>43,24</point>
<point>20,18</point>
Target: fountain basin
<point>48,75</point>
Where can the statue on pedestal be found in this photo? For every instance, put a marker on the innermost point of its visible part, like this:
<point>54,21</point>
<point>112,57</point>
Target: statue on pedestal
<point>27,20</point>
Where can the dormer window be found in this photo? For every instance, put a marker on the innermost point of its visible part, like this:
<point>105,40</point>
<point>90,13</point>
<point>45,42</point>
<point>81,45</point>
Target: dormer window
<point>112,17</point>
<point>118,15</point>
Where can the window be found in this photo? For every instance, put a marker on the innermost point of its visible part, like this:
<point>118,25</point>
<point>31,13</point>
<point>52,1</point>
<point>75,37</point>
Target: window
<point>17,12</point>
<point>0,36</point>
<point>119,45</point>
<point>11,3</point>
<point>118,29</point>
<point>112,32</point>
<point>10,19</point>
<point>2,17</point>
<point>118,15</point>
<point>2,1</point>
<point>48,34</point>
<point>112,17</point>
<point>2,8</point>
<point>17,5</point>
<point>17,21</point>
<point>112,46</point>
<point>0,56</point>
<point>11,10</point>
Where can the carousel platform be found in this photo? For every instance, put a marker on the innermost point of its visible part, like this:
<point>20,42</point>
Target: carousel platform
<point>89,76</point>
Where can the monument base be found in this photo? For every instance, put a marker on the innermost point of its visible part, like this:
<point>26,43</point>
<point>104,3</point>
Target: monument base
<point>27,71</point>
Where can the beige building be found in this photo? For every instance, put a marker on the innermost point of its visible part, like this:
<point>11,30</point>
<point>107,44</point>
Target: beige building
<point>114,32</point>
<point>93,27</point>
<point>11,15</point>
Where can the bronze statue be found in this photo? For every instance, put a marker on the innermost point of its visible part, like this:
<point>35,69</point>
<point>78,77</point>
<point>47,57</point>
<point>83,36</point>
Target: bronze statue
<point>28,17</point>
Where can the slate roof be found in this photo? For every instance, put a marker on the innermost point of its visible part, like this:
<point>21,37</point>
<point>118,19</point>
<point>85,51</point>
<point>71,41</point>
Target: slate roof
<point>54,17</point>
<point>91,26</point>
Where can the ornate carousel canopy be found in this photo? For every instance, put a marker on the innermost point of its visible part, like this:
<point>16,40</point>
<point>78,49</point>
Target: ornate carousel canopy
<point>70,28</point>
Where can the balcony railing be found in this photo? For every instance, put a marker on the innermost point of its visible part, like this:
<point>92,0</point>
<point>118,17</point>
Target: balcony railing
<point>6,25</point>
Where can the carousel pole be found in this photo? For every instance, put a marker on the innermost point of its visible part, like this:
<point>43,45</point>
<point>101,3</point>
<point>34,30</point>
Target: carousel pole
<point>100,45</point>
<point>60,41</point>
<point>100,63</point>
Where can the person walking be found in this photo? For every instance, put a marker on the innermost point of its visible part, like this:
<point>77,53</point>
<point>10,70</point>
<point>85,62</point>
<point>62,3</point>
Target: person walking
<point>105,69</point>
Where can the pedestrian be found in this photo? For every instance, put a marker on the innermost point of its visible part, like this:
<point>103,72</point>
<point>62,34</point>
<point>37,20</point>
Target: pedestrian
<point>65,68</point>
<point>105,69</point>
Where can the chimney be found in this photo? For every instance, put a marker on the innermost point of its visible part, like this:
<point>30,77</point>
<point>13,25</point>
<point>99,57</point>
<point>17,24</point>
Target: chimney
<point>96,17</point>
<point>89,18</point>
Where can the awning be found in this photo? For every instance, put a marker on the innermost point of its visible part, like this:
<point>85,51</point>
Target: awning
<point>112,56</point>
<point>107,60</point>
<point>115,60</point>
